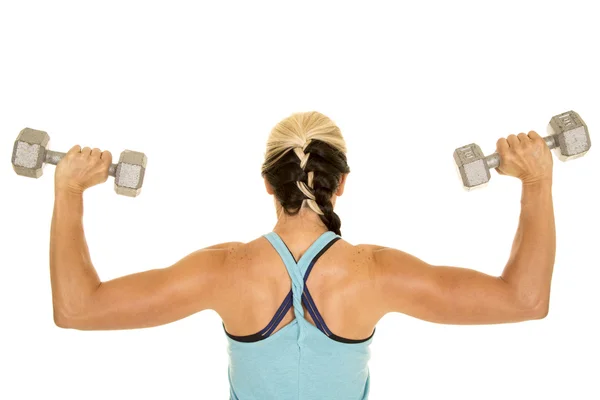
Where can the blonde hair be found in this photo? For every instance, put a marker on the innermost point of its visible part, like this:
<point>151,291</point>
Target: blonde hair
<point>307,133</point>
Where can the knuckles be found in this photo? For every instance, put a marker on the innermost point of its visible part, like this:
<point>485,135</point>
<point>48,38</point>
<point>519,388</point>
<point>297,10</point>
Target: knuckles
<point>91,156</point>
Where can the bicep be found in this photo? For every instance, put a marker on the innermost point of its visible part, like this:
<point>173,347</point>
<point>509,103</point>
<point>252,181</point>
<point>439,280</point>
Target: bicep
<point>449,295</point>
<point>157,296</point>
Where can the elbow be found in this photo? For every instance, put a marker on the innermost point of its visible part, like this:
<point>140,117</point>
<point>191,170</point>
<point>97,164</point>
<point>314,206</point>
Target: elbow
<point>541,311</point>
<point>537,309</point>
<point>73,321</point>
<point>66,320</point>
<point>69,317</point>
<point>530,305</point>
<point>61,320</point>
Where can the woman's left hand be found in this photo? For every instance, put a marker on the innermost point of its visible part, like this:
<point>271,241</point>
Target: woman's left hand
<point>81,169</point>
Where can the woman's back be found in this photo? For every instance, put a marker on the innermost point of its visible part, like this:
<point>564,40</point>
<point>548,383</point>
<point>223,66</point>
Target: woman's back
<point>340,283</point>
<point>299,355</point>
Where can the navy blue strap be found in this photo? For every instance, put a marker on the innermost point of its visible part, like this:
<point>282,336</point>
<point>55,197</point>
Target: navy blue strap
<point>307,298</point>
<point>319,254</point>
<point>314,313</point>
<point>281,312</point>
<point>268,330</point>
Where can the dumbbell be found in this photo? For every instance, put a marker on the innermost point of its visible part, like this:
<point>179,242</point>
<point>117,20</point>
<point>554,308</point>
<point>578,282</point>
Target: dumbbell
<point>30,152</point>
<point>568,135</point>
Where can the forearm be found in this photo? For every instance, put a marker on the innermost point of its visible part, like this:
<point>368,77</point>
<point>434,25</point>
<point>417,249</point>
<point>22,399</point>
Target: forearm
<point>530,266</point>
<point>72,274</point>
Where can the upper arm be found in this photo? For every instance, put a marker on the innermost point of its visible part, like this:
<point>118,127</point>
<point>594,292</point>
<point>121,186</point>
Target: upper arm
<point>156,296</point>
<point>449,295</point>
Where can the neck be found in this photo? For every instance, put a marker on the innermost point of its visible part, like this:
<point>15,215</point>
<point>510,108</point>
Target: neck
<point>305,224</point>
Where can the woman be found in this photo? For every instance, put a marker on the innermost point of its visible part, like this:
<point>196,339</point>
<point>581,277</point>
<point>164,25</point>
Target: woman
<point>299,305</point>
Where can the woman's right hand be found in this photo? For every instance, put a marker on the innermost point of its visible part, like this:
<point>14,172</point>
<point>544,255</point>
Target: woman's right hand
<point>526,157</point>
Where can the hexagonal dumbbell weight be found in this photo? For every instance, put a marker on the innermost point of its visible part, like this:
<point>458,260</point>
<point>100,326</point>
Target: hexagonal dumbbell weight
<point>569,137</point>
<point>30,152</point>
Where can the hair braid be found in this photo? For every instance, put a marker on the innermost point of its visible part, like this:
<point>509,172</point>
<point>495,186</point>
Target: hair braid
<point>311,173</point>
<point>307,188</point>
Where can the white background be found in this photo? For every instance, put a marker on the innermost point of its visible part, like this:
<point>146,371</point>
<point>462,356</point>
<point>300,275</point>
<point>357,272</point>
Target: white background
<point>198,87</point>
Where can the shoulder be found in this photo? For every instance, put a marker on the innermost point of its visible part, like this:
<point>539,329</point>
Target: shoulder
<point>384,255</point>
<point>375,269</point>
<point>364,257</point>
<point>395,276</point>
<point>221,250</point>
<point>372,252</point>
<point>229,246</point>
<point>364,252</point>
<point>387,264</point>
<point>369,247</point>
<point>212,258</point>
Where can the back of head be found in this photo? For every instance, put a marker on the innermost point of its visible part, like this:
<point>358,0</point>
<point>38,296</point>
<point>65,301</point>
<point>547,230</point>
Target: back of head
<point>304,163</point>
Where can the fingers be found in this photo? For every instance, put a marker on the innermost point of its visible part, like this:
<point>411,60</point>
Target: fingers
<point>519,142</point>
<point>502,145</point>
<point>75,149</point>
<point>96,152</point>
<point>106,156</point>
<point>536,139</point>
<point>513,141</point>
<point>533,135</point>
<point>523,138</point>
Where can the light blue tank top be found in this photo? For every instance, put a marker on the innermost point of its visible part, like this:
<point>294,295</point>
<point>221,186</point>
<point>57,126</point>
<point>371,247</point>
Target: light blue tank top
<point>300,361</point>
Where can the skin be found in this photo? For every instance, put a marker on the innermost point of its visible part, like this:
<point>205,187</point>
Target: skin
<point>353,286</point>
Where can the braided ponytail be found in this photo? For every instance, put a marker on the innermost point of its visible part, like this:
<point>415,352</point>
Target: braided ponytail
<point>314,167</point>
<point>307,188</point>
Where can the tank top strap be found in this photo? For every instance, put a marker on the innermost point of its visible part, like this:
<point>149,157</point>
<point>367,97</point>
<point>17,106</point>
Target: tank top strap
<point>315,250</point>
<point>297,270</point>
<point>286,256</point>
<point>293,271</point>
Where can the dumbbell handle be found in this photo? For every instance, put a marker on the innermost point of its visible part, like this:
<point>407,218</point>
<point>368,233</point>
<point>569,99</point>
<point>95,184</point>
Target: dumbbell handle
<point>493,161</point>
<point>53,157</point>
